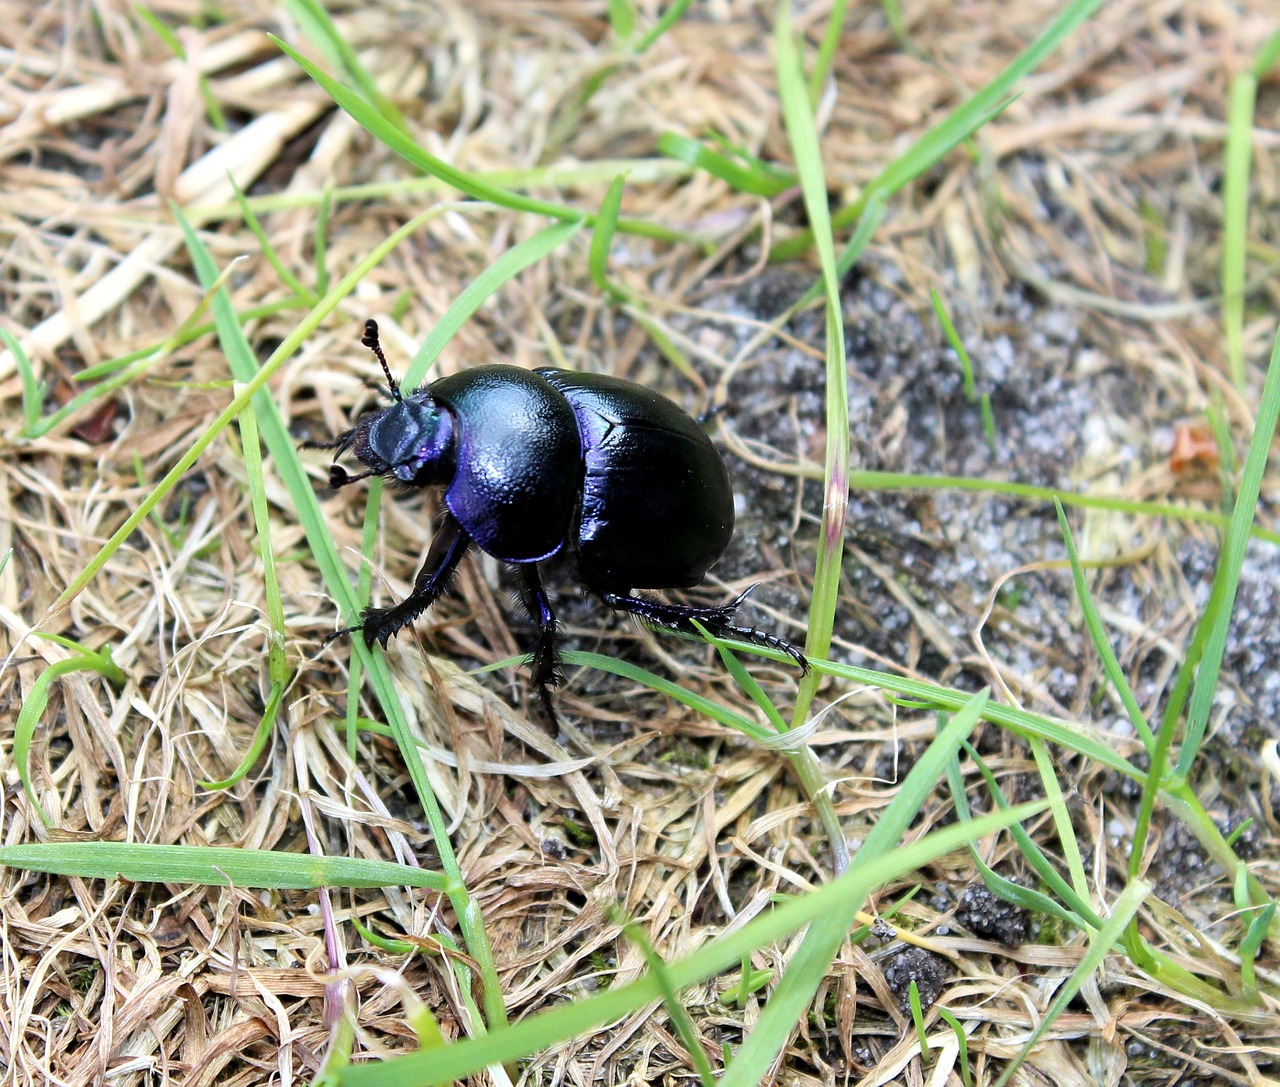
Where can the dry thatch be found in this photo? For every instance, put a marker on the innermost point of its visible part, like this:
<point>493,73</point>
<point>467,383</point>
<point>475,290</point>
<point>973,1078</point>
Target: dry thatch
<point>637,802</point>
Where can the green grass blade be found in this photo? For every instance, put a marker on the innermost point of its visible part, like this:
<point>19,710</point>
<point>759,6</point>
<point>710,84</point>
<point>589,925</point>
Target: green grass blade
<point>1099,946</point>
<point>803,136</point>
<point>32,390</point>
<point>872,213</point>
<point>266,248</point>
<point>377,126</point>
<point>512,262</point>
<point>213,867</point>
<point>37,700</point>
<point>917,1021</point>
<point>894,481</point>
<point>403,145</point>
<point>676,1011</point>
<point>962,1043</point>
<point>745,680</point>
<point>957,344</point>
<point>321,245</point>
<point>1238,161</point>
<point>704,707</point>
<point>1266,57</point>
<point>622,19</point>
<point>1249,948</point>
<point>754,178</point>
<point>1232,559</point>
<point>1075,911</point>
<point>1061,817</point>
<point>794,992</point>
<point>266,724</point>
<point>602,239</point>
<point>724,952</point>
<point>1097,633</point>
<point>827,50</point>
<point>319,28</point>
<point>665,22</point>
<point>957,126</point>
<point>171,41</point>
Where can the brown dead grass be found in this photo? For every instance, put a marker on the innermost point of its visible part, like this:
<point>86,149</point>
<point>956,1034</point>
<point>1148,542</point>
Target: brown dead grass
<point>689,830</point>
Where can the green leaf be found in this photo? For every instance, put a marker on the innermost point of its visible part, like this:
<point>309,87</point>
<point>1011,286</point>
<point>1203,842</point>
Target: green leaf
<point>544,1029</point>
<point>213,867</point>
<point>602,239</point>
<point>802,133</point>
<point>622,17</point>
<point>1231,561</point>
<point>959,125</point>
<point>1099,946</point>
<point>809,963</point>
<point>37,700</point>
<point>756,178</point>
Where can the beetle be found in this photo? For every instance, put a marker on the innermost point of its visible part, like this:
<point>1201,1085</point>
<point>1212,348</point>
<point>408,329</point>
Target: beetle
<point>537,462</point>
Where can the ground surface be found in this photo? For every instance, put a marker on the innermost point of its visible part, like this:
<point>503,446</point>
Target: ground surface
<point>1076,244</point>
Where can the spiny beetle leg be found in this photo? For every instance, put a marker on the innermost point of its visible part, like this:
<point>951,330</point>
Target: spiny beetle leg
<point>544,662</point>
<point>447,550</point>
<point>717,620</point>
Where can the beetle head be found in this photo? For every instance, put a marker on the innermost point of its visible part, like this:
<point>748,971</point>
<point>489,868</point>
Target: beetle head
<point>412,439</point>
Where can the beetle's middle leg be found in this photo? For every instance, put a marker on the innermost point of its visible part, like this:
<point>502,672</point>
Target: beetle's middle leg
<point>718,620</point>
<point>544,664</point>
<point>447,549</point>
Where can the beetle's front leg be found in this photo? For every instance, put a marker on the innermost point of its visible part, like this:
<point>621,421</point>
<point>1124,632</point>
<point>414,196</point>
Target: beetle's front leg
<point>447,549</point>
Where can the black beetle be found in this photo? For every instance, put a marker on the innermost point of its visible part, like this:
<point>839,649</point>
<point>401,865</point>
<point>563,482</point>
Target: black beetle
<point>537,461</point>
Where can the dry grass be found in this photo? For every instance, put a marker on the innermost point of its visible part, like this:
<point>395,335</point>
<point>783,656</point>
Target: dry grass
<point>637,802</point>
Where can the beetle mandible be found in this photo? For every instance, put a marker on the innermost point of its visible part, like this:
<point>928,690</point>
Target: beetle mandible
<point>534,462</point>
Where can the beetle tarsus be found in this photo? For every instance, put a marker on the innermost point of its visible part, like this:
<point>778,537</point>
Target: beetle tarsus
<point>382,624</point>
<point>339,633</point>
<point>717,620</point>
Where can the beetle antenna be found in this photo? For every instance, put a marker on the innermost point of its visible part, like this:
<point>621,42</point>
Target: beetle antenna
<point>370,340</point>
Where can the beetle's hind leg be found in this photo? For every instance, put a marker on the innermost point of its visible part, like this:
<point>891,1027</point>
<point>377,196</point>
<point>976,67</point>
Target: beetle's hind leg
<point>544,663</point>
<point>718,620</point>
<point>447,549</point>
